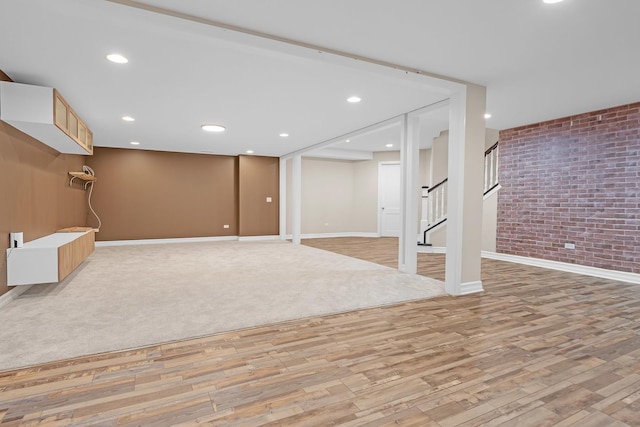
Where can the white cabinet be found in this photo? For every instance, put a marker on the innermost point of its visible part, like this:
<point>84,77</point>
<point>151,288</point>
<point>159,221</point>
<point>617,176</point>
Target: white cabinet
<point>42,113</point>
<point>48,259</point>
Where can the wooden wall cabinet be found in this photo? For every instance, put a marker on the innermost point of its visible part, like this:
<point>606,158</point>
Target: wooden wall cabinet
<point>68,122</point>
<point>42,113</point>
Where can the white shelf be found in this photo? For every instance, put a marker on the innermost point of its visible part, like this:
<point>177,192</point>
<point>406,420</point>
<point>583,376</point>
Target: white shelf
<point>41,260</point>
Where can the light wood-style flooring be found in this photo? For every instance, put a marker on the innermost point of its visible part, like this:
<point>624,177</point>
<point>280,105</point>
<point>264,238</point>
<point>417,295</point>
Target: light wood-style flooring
<point>537,348</point>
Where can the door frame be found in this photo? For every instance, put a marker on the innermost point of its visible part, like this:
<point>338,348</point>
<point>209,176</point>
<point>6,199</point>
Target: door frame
<point>380,165</point>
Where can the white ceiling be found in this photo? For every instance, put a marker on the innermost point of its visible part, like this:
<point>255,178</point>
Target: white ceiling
<point>538,62</point>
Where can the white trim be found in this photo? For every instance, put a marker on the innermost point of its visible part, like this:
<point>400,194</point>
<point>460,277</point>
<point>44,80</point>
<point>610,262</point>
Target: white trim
<point>283,197</point>
<point>164,241</point>
<point>258,238</point>
<point>470,287</point>
<point>12,294</point>
<point>432,249</point>
<point>455,191</point>
<point>492,192</point>
<point>329,235</point>
<point>296,198</point>
<point>409,158</point>
<point>340,154</point>
<point>622,276</point>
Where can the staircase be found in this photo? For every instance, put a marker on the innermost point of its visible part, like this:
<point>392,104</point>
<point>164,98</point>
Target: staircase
<point>434,199</point>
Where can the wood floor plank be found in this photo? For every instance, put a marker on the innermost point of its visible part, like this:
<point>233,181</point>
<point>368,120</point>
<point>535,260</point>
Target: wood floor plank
<point>538,347</point>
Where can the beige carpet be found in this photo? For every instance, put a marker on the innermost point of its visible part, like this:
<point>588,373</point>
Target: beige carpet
<point>130,296</point>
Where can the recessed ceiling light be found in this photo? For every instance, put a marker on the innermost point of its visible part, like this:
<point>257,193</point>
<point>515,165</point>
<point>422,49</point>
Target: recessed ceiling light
<point>487,115</point>
<point>389,145</point>
<point>134,143</point>
<point>117,58</point>
<point>249,151</point>
<point>354,99</point>
<point>128,119</point>
<point>284,135</point>
<point>552,1</point>
<point>213,128</point>
<point>348,140</point>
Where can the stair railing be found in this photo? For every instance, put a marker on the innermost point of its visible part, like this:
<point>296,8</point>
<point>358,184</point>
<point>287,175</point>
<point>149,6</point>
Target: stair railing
<point>435,198</point>
<point>491,168</point>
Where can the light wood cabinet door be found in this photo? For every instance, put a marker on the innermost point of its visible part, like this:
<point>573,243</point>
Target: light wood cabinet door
<point>73,125</point>
<point>60,112</point>
<point>89,141</point>
<point>68,121</point>
<point>82,133</point>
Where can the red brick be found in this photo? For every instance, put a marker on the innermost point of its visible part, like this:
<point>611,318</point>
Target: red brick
<point>574,179</point>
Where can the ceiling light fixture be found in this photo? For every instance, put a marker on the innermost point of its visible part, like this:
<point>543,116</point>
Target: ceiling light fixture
<point>128,119</point>
<point>348,140</point>
<point>134,143</point>
<point>117,58</point>
<point>284,135</point>
<point>487,115</point>
<point>389,145</point>
<point>213,128</point>
<point>552,1</point>
<point>249,151</point>
<point>354,99</point>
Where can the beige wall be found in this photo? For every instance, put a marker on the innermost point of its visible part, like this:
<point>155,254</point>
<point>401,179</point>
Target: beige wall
<point>366,197</point>
<point>439,158</point>
<point>491,137</point>
<point>490,222</point>
<point>35,196</point>
<point>341,196</point>
<point>439,164</point>
<point>328,190</point>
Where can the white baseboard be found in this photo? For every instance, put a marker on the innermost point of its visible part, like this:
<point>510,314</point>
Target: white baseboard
<point>163,241</point>
<point>329,235</point>
<point>565,266</point>
<point>471,287</point>
<point>432,249</point>
<point>257,238</point>
<point>226,238</point>
<point>12,294</point>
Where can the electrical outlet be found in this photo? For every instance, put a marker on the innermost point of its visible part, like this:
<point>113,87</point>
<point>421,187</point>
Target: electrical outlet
<point>269,200</point>
<point>569,245</point>
<point>226,226</point>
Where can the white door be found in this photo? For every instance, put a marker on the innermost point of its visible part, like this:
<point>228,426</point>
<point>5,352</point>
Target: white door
<point>389,199</point>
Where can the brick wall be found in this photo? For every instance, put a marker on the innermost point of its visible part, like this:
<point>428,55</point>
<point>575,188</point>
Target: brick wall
<point>573,180</point>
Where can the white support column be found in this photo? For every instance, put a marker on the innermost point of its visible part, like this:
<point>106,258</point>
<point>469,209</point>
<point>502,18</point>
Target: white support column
<point>296,198</point>
<point>466,161</point>
<point>283,198</point>
<point>409,160</point>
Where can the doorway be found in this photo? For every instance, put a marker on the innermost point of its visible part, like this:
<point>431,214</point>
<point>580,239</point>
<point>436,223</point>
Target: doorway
<point>389,219</point>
